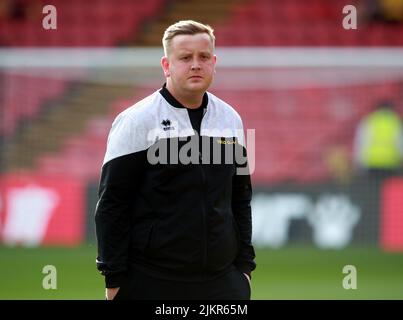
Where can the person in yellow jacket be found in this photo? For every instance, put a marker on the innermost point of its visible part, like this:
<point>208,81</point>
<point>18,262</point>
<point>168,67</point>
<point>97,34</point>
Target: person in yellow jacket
<point>378,145</point>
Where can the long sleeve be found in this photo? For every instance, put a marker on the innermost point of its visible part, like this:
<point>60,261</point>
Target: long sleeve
<point>117,188</point>
<point>241,208</point>
<point>120,178</point>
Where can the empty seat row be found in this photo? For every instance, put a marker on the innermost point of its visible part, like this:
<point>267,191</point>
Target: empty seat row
<point>288,148</point>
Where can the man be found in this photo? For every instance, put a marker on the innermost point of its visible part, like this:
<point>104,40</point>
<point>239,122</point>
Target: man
<point>173,218</point>
<point>378,145</point>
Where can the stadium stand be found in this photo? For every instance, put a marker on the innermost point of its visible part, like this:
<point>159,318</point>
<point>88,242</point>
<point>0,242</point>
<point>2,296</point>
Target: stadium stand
<point>301,23</point>
<point>94,23</point>
<point>84,152</point>
<point>30,105</point>
<point>304,122</point>
<point>293,138</point>
<point>23,97</point>
<point>304,109</point>
<point>291,144</point>
<point>65,119</point>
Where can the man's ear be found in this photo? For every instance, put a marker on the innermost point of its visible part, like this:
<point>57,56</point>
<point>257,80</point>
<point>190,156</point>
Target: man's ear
<point>165,66</point>
<point>215,62</point>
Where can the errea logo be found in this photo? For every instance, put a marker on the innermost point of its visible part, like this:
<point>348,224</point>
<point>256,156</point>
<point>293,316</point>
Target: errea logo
<point>167,125</point>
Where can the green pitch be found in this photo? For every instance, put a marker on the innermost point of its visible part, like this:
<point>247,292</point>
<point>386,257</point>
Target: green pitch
<point>290,273</point>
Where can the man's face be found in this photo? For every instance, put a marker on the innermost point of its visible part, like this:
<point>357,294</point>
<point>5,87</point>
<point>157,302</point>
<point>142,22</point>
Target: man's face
<point>190,64</point>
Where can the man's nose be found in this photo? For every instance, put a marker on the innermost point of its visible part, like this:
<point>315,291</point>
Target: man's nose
<point>195,65</point>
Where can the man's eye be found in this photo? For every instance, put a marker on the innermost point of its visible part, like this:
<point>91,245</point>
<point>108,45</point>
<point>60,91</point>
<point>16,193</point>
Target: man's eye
<point>185,58</point>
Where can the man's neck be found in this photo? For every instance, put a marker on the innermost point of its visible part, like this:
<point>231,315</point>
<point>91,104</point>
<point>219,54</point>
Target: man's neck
<point>191,101</point>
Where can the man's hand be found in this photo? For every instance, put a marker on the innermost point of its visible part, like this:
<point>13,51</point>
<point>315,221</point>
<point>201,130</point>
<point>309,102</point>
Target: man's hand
<point>111,293</point>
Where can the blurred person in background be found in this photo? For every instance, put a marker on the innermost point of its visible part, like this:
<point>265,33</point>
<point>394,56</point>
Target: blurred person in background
<point>387,11</point>
<point>174,230</point>
<point>378,145</point>
<point>20,10</point>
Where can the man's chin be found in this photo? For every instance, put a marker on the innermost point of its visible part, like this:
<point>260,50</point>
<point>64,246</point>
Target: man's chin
<point>198,87</point>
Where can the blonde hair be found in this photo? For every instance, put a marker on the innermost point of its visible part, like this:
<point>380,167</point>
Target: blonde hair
<point>189,27</point>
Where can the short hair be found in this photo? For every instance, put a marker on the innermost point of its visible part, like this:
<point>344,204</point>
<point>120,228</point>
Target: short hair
<point>185,27</point>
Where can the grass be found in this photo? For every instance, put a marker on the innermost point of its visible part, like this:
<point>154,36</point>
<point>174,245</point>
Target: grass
<point>290,273</point>
<point>21,274</point>
<point>309,273</point>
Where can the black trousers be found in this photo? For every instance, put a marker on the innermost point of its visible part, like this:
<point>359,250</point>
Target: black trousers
<point>139,286</point>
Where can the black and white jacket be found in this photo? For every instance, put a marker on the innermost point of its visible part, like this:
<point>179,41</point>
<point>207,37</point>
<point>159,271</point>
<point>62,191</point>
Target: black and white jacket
<point>172,203</point>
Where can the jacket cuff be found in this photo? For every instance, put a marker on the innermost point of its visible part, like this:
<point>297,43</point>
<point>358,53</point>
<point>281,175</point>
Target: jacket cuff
<point>114,280</point>
<point>244,268</point>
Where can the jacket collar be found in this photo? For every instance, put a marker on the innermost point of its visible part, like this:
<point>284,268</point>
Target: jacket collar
<point>172,101</point>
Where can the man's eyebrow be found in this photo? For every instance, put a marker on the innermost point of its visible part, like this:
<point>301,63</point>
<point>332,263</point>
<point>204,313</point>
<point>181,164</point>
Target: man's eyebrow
<point>183,52</point>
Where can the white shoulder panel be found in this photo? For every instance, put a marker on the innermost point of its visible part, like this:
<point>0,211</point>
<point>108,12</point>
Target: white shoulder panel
<point>222,120</point>
<point>142,124</point>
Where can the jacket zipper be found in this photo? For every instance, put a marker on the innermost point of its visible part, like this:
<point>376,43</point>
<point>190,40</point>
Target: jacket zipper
<point>203,178</point>
<point>203,175</point>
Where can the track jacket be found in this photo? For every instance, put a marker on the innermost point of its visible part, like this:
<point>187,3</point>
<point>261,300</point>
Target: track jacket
<point>172,203</point>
